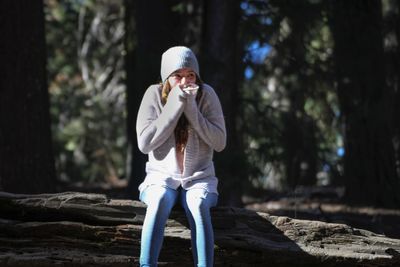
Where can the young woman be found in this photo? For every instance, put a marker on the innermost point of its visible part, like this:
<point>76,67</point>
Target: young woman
<point>180,123</point>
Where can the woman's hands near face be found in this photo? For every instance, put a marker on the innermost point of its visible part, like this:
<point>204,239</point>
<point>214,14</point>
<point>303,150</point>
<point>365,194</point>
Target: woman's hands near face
<point>190,88</point>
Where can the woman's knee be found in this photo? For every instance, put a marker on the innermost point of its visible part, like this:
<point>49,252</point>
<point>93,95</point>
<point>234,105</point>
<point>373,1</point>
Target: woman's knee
<point>158,197</point>
<point>200,201</point>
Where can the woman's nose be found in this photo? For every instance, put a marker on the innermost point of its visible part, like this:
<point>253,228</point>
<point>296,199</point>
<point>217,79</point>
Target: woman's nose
<point>183,80</point>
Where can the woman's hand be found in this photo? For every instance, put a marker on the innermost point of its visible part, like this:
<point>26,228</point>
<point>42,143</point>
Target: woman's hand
<point>190,88</point>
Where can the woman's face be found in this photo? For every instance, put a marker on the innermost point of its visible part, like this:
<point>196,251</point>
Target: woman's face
<point>182,77</point>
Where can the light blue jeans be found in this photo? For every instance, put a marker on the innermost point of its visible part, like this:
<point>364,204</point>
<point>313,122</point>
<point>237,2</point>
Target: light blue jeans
<point>196,203</point>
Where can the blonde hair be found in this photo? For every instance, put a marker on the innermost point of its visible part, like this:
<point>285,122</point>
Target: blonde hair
<point>181,129</point>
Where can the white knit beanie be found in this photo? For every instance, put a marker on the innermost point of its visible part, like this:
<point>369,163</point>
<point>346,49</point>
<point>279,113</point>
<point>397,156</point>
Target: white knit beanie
<point>176,58</point>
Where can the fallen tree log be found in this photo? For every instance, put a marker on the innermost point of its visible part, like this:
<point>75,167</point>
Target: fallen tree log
<point>324,203</point>
<point>377,220</point>
<point>78,229</point>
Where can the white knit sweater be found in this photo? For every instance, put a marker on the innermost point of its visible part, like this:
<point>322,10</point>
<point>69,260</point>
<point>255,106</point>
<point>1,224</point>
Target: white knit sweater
<point>155,127</point>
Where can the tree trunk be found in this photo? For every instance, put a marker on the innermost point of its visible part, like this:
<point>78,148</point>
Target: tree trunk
<point>396,85</point>
<point>219,68</point>
<point>300,148</point>
<point>392,63</point>
<point>156,28</point>
<point>365,103</point>
<point>26,156</point>
<point>76,229</point>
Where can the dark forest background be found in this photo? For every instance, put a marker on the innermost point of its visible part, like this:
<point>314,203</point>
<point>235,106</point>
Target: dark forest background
<point>309,88</point>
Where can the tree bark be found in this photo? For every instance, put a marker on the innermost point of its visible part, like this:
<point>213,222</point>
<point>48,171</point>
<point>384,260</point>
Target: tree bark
<point>76,229</point>
<point>26,156</point>
<point>396,84</point>
<point>156,28</point>
<point>377,220</point>
<point>391,29</point>
<point>366,104</point>
<point>219,68</point>
<point>299,130</point>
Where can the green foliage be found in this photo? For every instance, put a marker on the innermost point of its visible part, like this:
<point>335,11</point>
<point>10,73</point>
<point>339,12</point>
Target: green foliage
<point>290,93</point>
<point>86,86</point>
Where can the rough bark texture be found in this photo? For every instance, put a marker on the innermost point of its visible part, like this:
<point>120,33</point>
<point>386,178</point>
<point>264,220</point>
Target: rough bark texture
<point>219,68</point>
<point>151,29</point>
<point>365,104</point>
<point>26,156</point>
<point>397,92</point>
<point>299,130</point>
<point>381,221</point>
<point>76,229</point>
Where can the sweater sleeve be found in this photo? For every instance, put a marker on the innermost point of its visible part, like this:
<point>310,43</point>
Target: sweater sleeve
<point>208,121</point>
<point>153,130</point>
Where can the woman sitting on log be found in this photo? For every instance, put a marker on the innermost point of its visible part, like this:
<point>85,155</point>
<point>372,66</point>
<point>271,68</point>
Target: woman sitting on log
<point>180,123</point>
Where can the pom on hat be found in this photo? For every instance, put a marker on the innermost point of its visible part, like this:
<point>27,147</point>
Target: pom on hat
<point>176,58</point>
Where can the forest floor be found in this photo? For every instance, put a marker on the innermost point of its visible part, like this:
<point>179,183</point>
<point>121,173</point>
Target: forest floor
<point>309,203</point>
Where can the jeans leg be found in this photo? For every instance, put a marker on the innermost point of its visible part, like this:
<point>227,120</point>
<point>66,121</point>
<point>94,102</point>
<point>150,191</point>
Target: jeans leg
<point>192,225</point>
<point>160,201</point>
<point>199,202</point>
